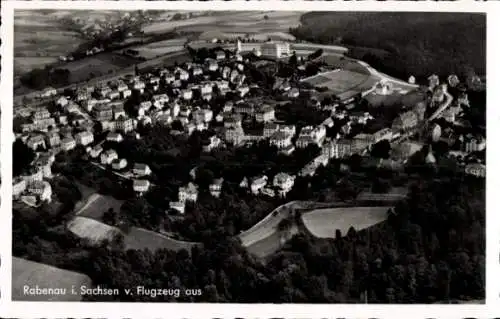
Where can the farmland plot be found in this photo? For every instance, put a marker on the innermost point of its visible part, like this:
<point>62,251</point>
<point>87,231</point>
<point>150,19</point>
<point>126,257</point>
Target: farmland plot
<point>323,223</point>
<point>33,274</point>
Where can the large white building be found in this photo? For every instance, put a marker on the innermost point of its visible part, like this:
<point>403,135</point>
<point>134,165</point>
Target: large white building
<point>275,49</point>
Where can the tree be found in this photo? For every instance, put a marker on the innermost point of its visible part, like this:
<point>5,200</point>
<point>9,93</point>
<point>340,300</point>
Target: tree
<point>23,156</point>
<point>381,149</point>
<point>293,61</point>
<point>110,217</point>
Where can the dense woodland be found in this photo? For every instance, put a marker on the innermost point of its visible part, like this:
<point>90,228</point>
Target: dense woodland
<point>400,44</point>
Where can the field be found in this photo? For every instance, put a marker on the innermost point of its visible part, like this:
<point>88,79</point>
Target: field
<point>340,81</point>
<point>323,223</point>
<point>32,274</point>
<point>264,238</point>
<point>233,24</point>
<point>153,50</point>
<point>93,205</point>
<point>40,40</point>
<point>92,230</point>
<point>87,224</point>
<point>269,245</point>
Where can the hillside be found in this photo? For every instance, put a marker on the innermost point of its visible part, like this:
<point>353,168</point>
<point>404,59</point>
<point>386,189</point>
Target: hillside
<point>418,43</point>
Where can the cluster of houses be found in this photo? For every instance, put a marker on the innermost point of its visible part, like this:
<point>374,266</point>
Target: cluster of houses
<point>181,94</point>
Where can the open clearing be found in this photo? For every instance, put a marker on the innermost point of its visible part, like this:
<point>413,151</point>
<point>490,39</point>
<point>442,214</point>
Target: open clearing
<point>323,223</point>
<point>156,49</point>
<point>92,230</point>
<point>229,24</point>
<point>33,274</point>
<point>342,81</point>
<point>39,39</point>
<point>93,205</point>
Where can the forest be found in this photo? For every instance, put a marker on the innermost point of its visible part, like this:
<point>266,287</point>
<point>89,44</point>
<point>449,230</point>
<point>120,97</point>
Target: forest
<point>404,44</point>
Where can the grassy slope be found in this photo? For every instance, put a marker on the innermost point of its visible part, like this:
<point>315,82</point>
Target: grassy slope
<point>418,43</point>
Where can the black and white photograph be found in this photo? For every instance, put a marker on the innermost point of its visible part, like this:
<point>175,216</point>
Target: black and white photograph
<point>252,157</point>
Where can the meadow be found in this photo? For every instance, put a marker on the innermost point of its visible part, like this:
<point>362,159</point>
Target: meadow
<point>324,223</point>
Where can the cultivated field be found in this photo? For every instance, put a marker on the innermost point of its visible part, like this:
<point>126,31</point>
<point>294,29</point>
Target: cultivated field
<point>323,223</point>
<point>233,24</point>
<point>153,50</point>
<point>92,230</point>
<point>33,274</point>
<point>39,39</point>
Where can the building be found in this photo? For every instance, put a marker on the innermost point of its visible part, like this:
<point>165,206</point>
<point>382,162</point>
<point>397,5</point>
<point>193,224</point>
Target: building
<point>338,148</point>
<point>44,163</point>
<point>473,144</point>
<point>179,207</point>
<point>141,169</point>
<point>36,174</point>
<point>41,114</point>
<point>265,114</point>
<point>141,185</point>
<point>53,139</point>
<point>216,187</point>
<point>270,129</point>
<point>114,137</point>
<point>232,121</point>
<point>108,157</point>
<point>188,193</point>
<point>119,164</point>
<point>96,151</point>
<point>103,112</point>
<point>235,135</point>
<point>476,169</point>
<point>35,142</point>
<point>203,115</point>
<point>213,143</point>
<point>84,138</point>
<point>18,187</point>
<point>42,189</point>
<point>258,184</point>
<point>304,140</point>
<point>275,49</point>
<point>284,182</point>
<point>362,141</point>
<point>68,143</point>
<point>124,124</point>
<point>281,140</point>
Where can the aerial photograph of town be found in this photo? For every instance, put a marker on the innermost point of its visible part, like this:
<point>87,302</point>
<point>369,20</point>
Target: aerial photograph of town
<point>249,156</point>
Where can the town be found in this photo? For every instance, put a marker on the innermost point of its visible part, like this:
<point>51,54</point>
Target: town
<point>254,140</point>
<point>179,98</point>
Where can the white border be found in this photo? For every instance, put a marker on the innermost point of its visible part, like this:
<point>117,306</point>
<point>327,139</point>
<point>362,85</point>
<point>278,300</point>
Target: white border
<point>152,310</point>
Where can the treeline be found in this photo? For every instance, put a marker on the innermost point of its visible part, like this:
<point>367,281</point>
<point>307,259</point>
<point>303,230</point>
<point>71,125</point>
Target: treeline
<point>404,44</point>
<point>41,78</point>
<point>430,249</point>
